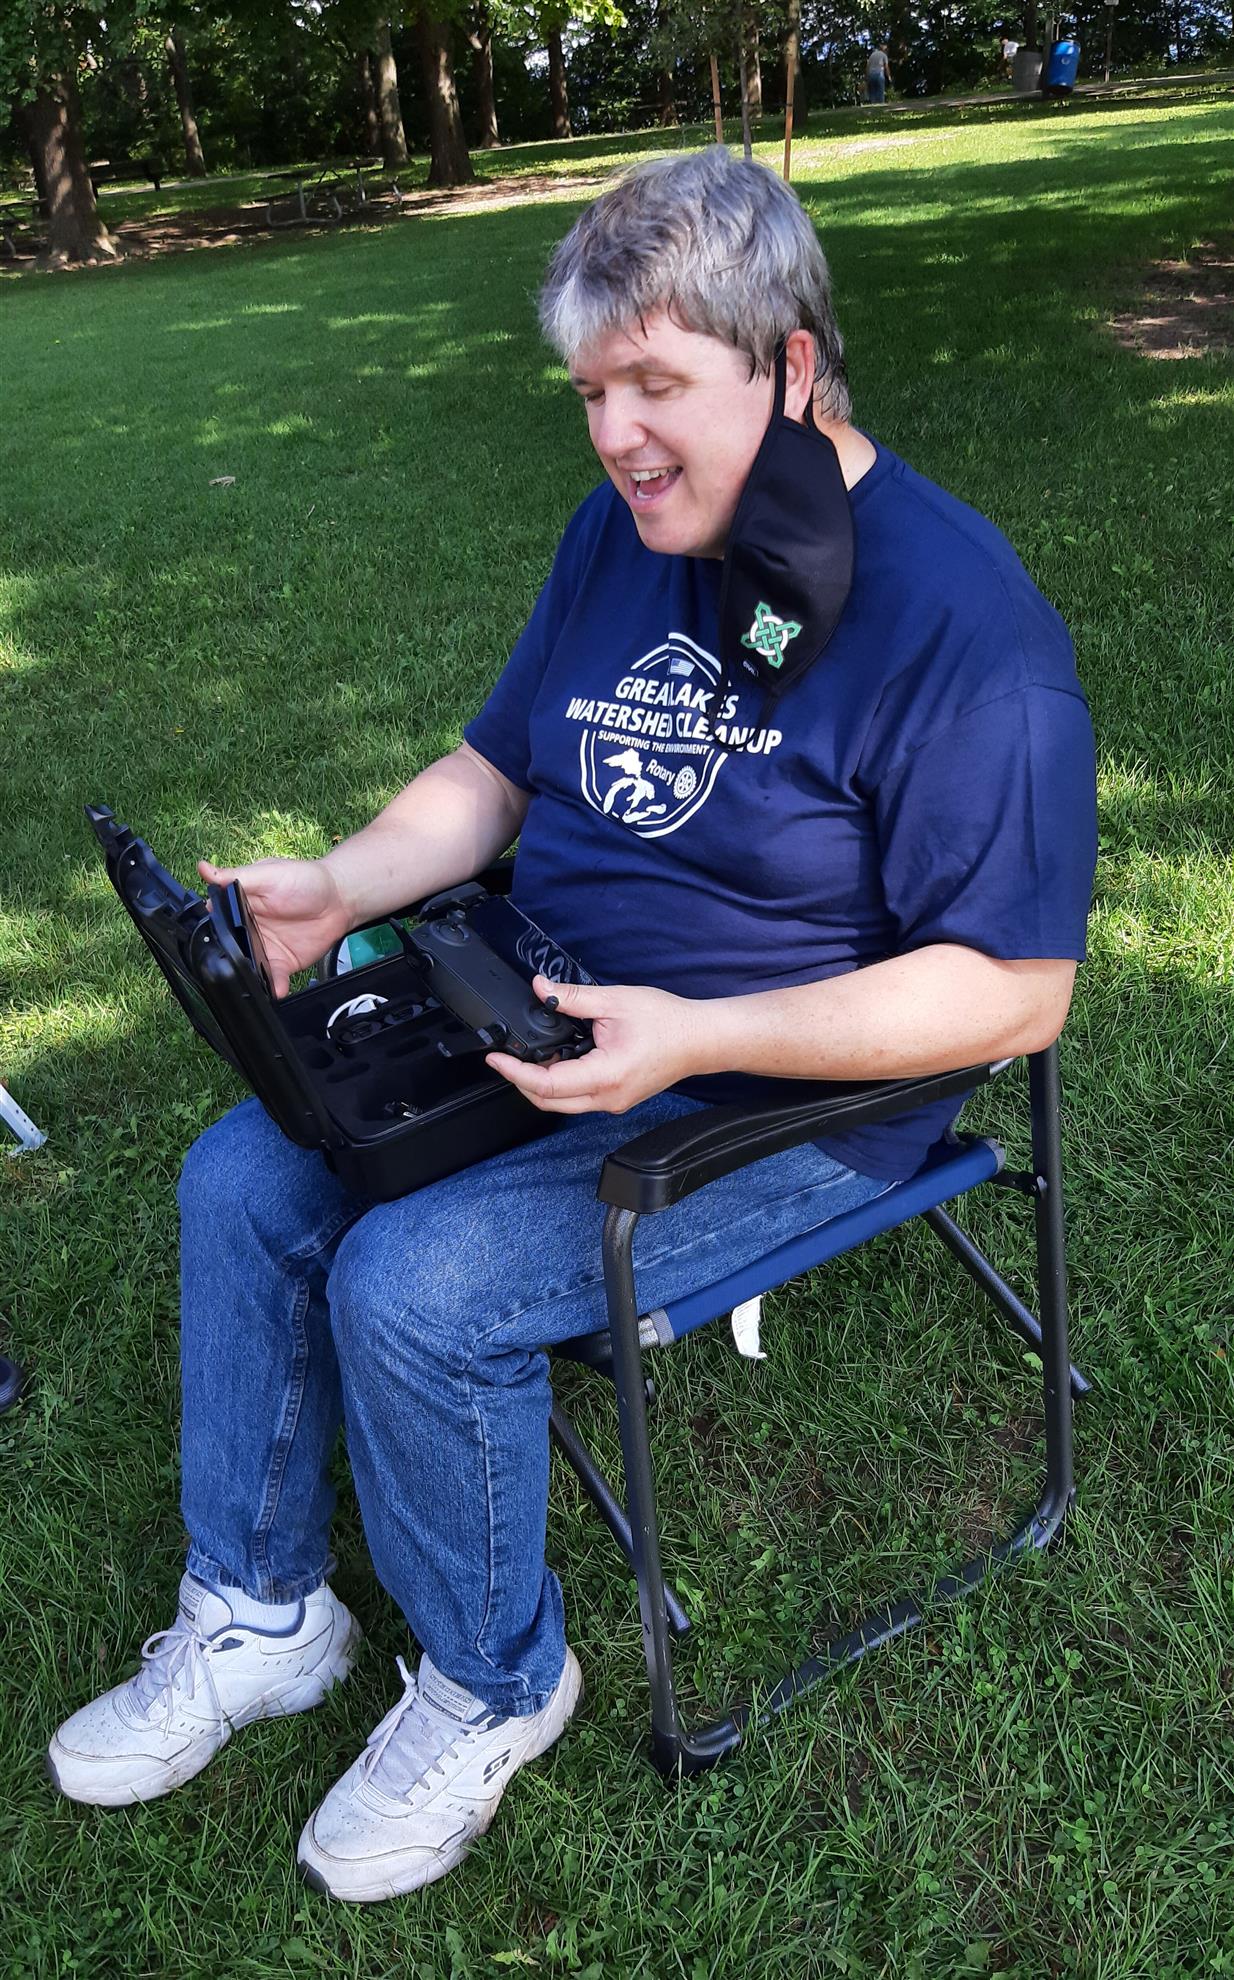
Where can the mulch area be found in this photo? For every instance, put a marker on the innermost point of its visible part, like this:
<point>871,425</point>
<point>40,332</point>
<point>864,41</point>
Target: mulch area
<point>1187,307</point>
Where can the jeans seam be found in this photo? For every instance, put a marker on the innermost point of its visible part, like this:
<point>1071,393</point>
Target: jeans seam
<point>478,1418</point>
<point>283,1440</point>
<point>285,1436</point>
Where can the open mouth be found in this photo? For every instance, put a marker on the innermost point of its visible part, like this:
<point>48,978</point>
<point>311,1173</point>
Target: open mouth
<point>650,486</point>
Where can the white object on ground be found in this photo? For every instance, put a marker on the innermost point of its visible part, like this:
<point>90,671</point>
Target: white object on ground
<point>23,1127</point>
<point>746,1319</point>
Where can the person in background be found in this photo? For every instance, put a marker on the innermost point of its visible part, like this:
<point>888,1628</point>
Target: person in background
<point>878,75</point>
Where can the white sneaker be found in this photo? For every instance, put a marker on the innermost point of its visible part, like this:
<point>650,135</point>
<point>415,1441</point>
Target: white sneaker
<point>427,1784</point>
<point>199,1680</point>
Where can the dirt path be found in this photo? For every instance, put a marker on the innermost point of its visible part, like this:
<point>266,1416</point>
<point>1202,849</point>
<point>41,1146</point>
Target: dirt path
<point>1187,307</point>
<point>226,226</point>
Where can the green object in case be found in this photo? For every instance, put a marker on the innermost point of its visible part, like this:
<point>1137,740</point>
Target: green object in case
<point>368,945</point>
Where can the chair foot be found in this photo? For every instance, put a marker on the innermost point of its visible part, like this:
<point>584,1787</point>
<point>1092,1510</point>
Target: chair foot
<point>695,1753</point>
<point>678,1749</point>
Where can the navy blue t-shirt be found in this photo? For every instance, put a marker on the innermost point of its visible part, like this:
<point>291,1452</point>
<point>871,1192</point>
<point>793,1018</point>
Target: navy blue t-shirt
<point>930,779</point>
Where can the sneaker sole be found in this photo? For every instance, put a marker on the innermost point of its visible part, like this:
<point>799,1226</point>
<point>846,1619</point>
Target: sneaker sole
<point>360,1883</point>
<point>301,1694</point>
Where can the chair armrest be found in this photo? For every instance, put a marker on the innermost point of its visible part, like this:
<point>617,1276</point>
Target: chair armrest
<point>667,1163</point>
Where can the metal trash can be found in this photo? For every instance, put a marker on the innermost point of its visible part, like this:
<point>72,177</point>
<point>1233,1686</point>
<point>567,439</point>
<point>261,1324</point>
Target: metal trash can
<point>1061,68</point>
<point>1026,71</point>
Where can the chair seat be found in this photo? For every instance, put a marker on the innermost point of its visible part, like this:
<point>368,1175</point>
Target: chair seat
<point>950,1168</point>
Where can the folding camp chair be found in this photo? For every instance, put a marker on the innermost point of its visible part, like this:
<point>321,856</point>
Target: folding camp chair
<point>658,1169</point>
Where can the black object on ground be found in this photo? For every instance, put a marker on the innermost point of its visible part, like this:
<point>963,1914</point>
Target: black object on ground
<point>11,1383</point>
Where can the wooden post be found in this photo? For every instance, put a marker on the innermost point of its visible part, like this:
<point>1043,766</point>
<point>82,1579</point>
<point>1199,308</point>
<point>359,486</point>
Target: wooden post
<point>715,99</point>
<point>747,149</point>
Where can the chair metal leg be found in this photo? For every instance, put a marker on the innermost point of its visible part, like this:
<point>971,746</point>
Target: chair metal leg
<point>606,1503</point>
<point>1046,1102</point>
<point>992,1283</point>
<point>672,1747</point>
<point>678,1748</point>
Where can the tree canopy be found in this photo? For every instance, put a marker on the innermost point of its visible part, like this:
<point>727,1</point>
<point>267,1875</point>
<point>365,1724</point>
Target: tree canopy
<point>192,86</point>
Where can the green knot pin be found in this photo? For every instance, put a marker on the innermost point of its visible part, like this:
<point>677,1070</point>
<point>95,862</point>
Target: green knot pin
<point>769,635</point>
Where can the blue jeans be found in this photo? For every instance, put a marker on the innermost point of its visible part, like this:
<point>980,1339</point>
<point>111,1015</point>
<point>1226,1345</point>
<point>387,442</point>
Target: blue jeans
<point>421,1325</point>
<point>876,89</point>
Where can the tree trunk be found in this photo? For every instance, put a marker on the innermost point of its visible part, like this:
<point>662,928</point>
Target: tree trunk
<point>667,90</point>
<point>479,32</point>
<point>753,67</point>
<point>794,81</point>
<point>747,149</point>
<point>176,62</point>
<point>1030,25</point>
<point>792,51</point>
<point>390,110</point>
<point>368,103</point>
<point>52,123</point>
<point>717,111</point>
<point>557,84</point>
<point>449,164</point>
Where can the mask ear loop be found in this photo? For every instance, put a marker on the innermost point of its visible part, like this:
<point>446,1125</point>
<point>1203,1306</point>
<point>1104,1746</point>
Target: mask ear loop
<point>811,422</point>
<point>781,377</point>
<point>781,382</point>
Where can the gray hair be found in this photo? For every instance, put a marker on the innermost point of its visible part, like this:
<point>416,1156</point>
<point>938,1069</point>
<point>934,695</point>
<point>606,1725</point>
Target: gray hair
<point>720,243</point>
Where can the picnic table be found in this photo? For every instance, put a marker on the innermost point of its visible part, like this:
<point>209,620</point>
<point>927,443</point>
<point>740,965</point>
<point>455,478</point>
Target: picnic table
<point>15,214</point>
<point>316,197</point>
<point>324,193</point>
<point>103,171</point>
<point>364,193</point>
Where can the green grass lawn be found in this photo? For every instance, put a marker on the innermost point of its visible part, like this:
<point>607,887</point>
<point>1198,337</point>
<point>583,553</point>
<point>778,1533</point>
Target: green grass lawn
<point>1039,1783</point>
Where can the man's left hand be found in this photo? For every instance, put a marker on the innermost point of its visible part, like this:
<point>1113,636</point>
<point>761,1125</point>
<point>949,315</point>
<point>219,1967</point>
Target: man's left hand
<point>645,1041</point>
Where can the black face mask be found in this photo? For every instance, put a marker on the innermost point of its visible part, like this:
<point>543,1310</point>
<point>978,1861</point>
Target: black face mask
<point>788,568</point>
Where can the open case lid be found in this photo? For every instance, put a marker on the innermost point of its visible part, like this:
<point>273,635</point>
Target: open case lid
<point>214,977</point>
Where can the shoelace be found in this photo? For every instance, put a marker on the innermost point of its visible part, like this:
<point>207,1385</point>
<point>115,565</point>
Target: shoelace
<point>425,1737</point>
<point>169,1655</point>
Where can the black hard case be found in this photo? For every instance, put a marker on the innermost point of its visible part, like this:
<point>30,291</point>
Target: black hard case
<point>457,1111</point>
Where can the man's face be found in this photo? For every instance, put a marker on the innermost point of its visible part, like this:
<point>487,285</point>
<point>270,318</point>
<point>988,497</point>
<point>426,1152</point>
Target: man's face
<point>677,420</point>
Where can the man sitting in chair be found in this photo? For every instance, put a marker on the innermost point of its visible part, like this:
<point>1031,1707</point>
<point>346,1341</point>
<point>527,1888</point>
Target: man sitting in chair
<point>852,840</point>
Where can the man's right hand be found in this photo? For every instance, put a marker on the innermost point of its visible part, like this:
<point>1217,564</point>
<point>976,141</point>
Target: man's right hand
<point>297,906</point>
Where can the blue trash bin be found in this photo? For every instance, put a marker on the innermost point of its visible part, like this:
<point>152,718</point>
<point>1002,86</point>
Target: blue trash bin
<point>1062,68</point>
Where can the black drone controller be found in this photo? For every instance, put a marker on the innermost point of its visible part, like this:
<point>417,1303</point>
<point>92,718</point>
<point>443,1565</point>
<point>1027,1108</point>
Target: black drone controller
<point>492,999</point>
